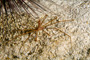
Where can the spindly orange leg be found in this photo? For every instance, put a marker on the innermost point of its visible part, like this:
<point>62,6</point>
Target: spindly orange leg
<point>64,33</point>
<point>25,41</point>
<point>48,24</point>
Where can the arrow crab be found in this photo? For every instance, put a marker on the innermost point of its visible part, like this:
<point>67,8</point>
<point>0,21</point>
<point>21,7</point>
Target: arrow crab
<point>41,27</point>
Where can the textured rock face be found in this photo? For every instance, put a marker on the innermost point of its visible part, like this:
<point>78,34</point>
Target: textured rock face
<point>57,46</point>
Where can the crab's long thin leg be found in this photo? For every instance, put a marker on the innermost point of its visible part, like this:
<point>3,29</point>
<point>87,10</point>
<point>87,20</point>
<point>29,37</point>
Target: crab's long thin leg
<point>22,34</point>
<point>46,33</point>
<point>24,42</point>
<point>25,30</point>
<point>49,22</point>
<point>44,19</point>
<point>64,33</point>
<point>56,22</point>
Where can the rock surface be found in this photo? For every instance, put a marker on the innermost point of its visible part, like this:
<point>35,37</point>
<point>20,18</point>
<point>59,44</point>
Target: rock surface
<point>57,46</point>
